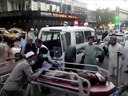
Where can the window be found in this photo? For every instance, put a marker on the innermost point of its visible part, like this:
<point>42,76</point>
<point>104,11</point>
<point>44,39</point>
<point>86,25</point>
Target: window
<point>79,37</point>
<point>107,38</point>
<point>47,7</point>
<point>87,34</point>
<point>54,8</point>
<point>58,9</point>
<point>66,41</point>
<point>47,36</point>
<point>42,7</point>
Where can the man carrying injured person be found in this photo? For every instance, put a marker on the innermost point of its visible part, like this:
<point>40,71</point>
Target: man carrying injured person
<point>19,75</point>
<point>32,89</point>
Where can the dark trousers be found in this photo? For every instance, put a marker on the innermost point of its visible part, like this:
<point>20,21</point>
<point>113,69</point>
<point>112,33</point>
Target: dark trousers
<point>12,93</point>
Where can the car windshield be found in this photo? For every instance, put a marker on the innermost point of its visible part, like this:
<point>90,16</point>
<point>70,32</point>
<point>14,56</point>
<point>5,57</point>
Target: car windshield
<point>5,32</point>
<point>120,38</point>
<point>13,31</point>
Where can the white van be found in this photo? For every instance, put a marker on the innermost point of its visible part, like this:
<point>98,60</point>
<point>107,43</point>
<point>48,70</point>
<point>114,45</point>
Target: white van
<point>64,42</point>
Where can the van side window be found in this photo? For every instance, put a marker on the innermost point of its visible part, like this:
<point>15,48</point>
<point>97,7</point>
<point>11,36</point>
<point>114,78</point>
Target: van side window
<point>87,34</point>
<point>79,37</point>
<point>47,36</point>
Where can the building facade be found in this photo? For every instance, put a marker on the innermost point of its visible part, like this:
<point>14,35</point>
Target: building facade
<point>123,16</point>
<point>39,13</point>
<point>91,18</point>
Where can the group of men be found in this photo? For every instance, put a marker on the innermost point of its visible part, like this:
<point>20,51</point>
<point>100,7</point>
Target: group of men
<point>28,69</point>
<point>92,52</point>
<point>36,54</point>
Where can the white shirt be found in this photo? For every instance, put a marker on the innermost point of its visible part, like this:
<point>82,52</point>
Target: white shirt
<point>45,65</point>
<point>126,44</point>
<point>46,48</point>
<point>23,41</point>
<point>113,54</point>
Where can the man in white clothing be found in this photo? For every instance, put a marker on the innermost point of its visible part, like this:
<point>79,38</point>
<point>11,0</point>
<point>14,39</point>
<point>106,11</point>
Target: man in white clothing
<point>126,55</point>
<point>115,47</point>
<point>38,43</point>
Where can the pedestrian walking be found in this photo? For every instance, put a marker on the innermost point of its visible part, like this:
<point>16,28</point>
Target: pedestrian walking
<point>30,46</point>
<point>91,53</point>
<point>114,48</point>
<point>19,75</point>
<point>126,55</point>
<point>2,50</point>
<point>9,56</point>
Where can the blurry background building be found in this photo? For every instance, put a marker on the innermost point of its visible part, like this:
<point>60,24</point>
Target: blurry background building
<point>39,13</point>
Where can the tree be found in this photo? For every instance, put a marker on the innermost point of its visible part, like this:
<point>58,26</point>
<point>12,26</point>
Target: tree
<point>105,16</point>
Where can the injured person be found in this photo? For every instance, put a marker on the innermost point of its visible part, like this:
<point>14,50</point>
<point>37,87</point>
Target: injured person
<point>94,78</point>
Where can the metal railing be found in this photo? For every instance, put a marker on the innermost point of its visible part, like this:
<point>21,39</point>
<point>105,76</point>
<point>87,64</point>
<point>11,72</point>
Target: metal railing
<point>5,76</point>
<point>80,90</point>
<point>78,80</point>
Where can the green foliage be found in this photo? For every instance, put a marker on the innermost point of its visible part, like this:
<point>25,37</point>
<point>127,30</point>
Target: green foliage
<point>106,16</point>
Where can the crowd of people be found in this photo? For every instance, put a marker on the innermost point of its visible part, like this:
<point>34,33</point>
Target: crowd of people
<point>35,54</point>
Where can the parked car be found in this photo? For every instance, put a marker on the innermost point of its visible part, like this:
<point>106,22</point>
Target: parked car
<point>121,38</point>
<point>64,43</point>
<point>6,35</point>
<point>17,31</point>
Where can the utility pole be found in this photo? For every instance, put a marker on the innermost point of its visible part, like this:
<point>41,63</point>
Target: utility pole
<point>117,18</point>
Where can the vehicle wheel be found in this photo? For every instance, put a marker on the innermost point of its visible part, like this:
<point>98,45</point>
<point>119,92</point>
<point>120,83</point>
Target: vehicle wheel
<point>70,56</point>
<point>105,50</point>
<point>101,58</point>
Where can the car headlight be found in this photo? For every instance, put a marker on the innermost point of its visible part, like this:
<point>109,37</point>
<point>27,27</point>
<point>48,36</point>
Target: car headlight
<point>17,35</point>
